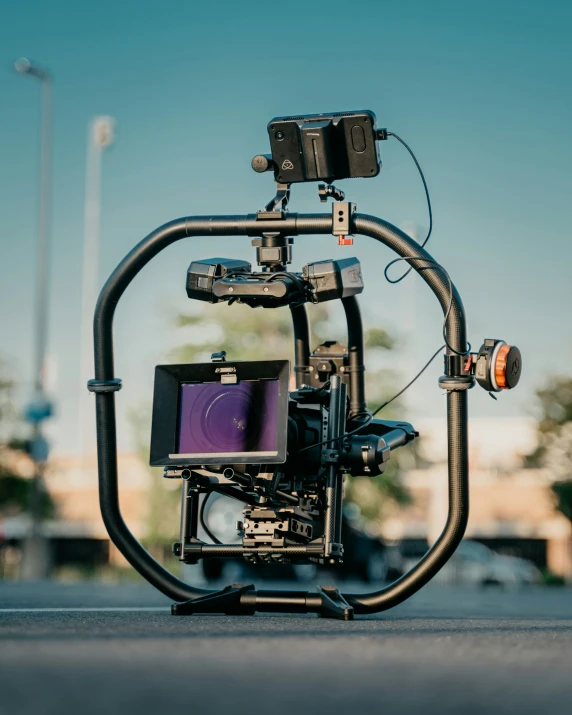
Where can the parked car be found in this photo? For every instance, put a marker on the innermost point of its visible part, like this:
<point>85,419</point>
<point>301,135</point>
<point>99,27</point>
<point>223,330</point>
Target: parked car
<point>364,556</point>
<point>475,564</point>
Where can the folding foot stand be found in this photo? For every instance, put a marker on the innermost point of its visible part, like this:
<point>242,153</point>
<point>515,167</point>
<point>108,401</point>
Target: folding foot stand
<point>239,600</point>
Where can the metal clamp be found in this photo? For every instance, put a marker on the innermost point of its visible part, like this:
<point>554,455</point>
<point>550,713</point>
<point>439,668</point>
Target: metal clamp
<point>456,383</point>
<point>330,456</point>
<point>278,204</point>
<point>342,212</point>
<point>352,368</point>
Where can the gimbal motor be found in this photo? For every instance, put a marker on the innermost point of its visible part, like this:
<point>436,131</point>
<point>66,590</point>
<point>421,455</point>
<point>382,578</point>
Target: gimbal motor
<point>238,429</point>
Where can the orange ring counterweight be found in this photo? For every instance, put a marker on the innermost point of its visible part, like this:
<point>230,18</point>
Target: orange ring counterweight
<point>500,367</point>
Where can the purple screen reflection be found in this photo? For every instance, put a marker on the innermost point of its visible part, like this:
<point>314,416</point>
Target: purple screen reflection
<point>217,418</point>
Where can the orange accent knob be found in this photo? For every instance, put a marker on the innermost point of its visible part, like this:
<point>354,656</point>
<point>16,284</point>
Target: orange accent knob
<point>500,367</point>
<point>343,241</point>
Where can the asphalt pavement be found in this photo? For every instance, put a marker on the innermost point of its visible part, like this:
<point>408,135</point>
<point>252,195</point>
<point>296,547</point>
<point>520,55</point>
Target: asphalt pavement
<point>93,648</point>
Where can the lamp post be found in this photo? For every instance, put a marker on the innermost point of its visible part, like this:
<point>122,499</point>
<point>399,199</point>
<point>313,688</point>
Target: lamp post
<point>100,137</point>
<point>24,67</point>
<point>36,562</point>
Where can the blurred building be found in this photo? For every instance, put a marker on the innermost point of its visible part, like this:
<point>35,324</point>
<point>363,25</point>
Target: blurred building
<point>511,508</point>
<point>77,534</point>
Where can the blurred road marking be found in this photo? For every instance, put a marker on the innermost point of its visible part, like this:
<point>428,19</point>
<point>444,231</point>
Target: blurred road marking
<point>85,610</point>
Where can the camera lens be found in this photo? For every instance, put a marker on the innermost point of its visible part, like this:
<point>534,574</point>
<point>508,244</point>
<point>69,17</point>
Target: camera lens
<point>216,418</point>
<point>279,135</point>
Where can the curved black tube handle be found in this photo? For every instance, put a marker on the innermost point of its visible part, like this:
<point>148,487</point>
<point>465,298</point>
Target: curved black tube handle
<point>301,328</point>
<point>457,434</point>
<point>293,225</point>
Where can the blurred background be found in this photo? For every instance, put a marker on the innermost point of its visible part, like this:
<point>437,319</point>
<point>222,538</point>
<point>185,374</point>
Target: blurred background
<point>125,115</point>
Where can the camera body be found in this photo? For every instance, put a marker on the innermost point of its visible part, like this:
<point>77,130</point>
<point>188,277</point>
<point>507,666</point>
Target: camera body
<point>324,147</point>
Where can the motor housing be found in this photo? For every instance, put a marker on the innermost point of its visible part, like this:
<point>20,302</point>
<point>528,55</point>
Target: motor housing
<point>498,365</point>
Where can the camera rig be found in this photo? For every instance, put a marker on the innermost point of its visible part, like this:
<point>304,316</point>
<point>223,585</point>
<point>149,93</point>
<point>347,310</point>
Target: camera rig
<point>234,428</point>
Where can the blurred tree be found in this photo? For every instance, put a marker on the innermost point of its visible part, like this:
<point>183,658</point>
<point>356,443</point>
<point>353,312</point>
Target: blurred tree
<point>554,450</point>
<point>563,494</point>
<point>163,495</point>
<point>256,334</point>
<point>245,333</point>
<point>555,410</point>
<point>6,386</point>
<point>15,488</point>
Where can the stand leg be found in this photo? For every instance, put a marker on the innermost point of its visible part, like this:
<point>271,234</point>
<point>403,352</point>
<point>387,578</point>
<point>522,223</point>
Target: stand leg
<point>334,605</point>
<point>226,601</point>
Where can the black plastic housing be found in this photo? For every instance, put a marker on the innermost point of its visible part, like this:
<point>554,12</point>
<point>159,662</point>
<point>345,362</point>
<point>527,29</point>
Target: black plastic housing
<point>486,362</point>
<point>332,279</point>
<point>324,147</point>
<point>201,276</point>
<point>329,358</point>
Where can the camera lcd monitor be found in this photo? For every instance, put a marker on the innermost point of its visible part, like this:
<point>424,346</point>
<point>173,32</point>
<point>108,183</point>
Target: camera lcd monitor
<point>220,413</point>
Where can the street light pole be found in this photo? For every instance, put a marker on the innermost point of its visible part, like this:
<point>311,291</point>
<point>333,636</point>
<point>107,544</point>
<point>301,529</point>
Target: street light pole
<point>25,67</point>
<point>100,136</point>
<point>36,552</point>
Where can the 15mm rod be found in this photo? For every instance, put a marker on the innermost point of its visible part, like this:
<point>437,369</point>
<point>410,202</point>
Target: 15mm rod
<point>333,512</point>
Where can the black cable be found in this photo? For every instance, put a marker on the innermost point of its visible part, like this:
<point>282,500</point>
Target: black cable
<point>237,494</point>
<point>270,277</point>
<point>297,282</point>
<point>371,415</point>
<point>409,383</point>
<point>209,533</point>
<point>428,236</point>
<point>283,274</point>
<point>434,265</point>
<point>438,266</point>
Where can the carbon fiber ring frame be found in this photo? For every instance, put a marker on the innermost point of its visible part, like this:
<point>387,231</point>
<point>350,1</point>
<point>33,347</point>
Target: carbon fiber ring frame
<point>292,225</point>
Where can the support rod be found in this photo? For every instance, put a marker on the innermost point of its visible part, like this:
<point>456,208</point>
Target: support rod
<point>356,355</point>
<point>301,343</point>
<point>238,550</point>
<point>189,514</point>
<point>333,511</point>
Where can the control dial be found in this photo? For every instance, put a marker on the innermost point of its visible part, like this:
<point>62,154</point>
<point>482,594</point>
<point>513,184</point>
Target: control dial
<point>498,366</point>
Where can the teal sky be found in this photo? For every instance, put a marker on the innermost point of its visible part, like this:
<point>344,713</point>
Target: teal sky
<point>481,91</point>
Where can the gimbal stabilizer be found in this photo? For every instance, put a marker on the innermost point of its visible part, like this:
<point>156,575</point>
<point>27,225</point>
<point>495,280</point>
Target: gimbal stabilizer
<point>294,448</point>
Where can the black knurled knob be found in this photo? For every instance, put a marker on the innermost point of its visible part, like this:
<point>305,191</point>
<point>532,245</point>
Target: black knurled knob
<point>262,163</point>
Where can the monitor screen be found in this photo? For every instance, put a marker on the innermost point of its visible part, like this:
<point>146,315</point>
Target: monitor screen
<point>228,419</point>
